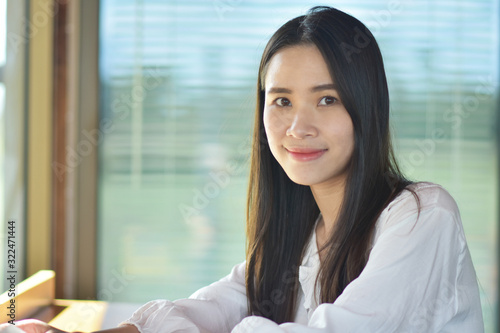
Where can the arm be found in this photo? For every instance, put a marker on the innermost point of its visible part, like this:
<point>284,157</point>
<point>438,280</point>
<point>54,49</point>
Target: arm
<point>121,329</point>
<point>419,278</point>
<point>216,308</point>
<point>37,326</point>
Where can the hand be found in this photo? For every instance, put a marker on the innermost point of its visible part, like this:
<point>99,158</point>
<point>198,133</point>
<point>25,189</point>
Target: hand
<point>29,326</point>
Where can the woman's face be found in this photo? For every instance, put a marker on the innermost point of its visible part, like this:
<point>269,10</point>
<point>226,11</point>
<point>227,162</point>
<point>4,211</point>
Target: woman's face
<point>309,131</point>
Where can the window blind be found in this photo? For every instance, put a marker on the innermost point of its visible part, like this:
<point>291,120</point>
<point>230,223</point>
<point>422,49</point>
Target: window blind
<point>178,87</point>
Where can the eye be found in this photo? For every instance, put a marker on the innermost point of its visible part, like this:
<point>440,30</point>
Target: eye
<point>283,101</point>
<point>327,100</point>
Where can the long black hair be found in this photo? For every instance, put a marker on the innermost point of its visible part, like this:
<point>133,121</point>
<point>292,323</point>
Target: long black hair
<point>280,213</point>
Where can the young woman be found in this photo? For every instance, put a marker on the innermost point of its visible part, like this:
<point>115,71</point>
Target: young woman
<point>338,239</point>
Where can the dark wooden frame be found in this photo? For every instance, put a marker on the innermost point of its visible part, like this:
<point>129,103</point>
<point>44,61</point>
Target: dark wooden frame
<point>60,113</point>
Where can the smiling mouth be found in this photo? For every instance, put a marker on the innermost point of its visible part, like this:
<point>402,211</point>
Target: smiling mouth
<point>305,154</point>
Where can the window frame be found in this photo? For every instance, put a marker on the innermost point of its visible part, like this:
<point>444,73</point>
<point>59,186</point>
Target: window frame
<point>15,172</point>
<point>76,106</point>
<point>50,237</point>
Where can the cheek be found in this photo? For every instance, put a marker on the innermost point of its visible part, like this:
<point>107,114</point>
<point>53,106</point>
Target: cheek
<point>349,140</point>
<point>271,133</point>
<point>344,134</point>
<point>274,122</point>
<point>274,131</point>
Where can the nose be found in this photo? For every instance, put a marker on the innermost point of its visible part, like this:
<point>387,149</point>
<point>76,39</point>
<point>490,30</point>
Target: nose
<point>302,125</point>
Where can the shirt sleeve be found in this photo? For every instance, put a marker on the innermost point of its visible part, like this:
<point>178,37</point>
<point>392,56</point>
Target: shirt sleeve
<point>215,308</point>
<point>419,278</point>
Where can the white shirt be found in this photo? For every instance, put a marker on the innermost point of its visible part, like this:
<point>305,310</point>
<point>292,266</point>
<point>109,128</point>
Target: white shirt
<point>419,278</point>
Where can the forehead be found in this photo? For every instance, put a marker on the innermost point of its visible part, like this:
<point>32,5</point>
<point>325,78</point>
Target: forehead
<point>296,66</point>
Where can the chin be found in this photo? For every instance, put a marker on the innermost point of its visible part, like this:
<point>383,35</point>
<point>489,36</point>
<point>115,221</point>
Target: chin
<point>306,181</point>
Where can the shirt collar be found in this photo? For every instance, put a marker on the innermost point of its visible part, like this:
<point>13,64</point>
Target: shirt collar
<point>308,271</point>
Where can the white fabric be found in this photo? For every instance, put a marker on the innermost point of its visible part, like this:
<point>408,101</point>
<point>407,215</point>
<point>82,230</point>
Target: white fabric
<point>419,278</point>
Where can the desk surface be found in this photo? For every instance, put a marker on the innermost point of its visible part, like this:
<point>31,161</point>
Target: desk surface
<point>34,298</point>
<point>87,316</point>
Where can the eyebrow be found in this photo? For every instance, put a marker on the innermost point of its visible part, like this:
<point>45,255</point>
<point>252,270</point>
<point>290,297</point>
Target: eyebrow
<point>278,90</point>
<point>321,87</point>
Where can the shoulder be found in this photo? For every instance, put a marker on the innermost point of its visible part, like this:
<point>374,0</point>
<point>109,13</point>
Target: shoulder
<point>422,196</point>
<point>424,202</point>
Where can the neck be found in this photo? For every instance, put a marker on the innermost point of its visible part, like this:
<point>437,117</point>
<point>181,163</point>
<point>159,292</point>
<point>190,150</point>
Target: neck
<point>329,197</point>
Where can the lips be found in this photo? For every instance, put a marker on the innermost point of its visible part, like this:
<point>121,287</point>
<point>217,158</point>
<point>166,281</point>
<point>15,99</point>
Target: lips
<point>305,154</point>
